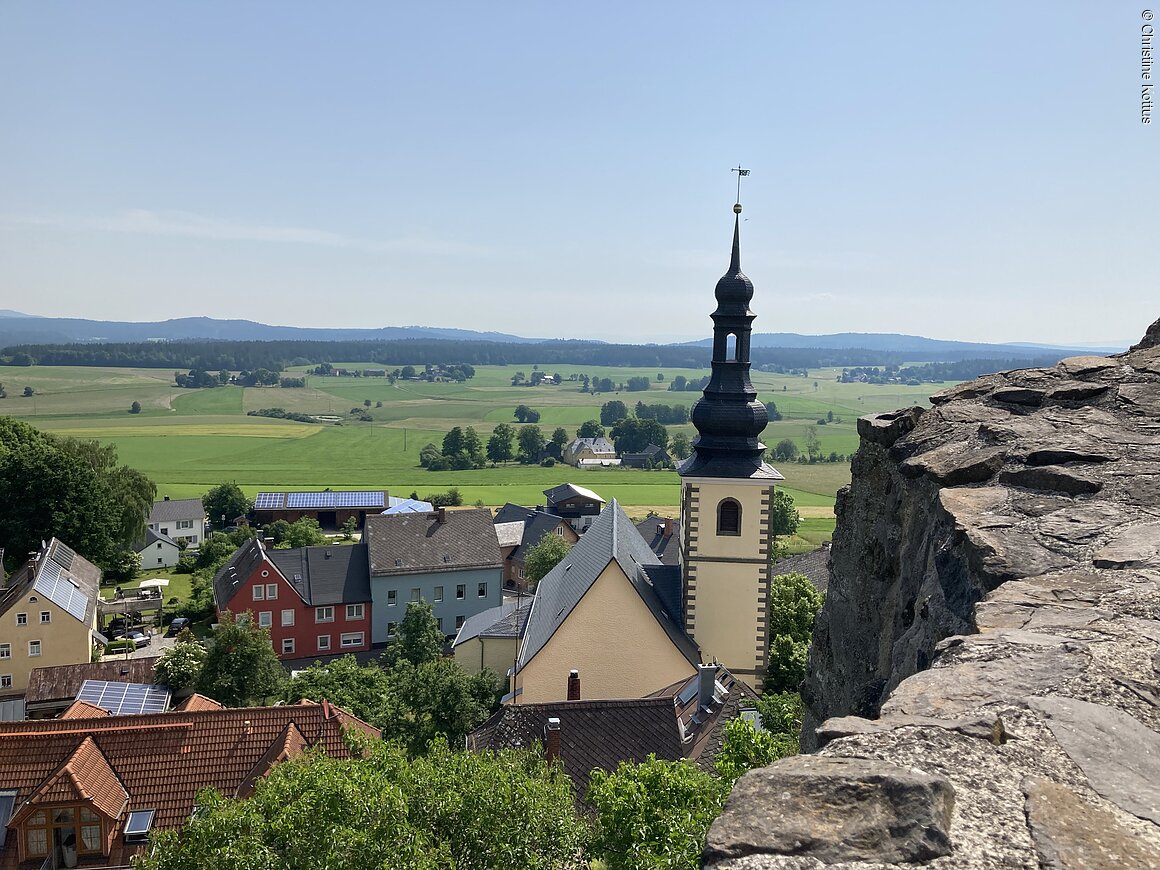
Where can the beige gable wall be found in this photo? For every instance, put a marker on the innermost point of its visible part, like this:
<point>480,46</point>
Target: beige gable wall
<point>727,576</point>
<point>63,641</point>
<point>497,654</point>
<point>613,640</point>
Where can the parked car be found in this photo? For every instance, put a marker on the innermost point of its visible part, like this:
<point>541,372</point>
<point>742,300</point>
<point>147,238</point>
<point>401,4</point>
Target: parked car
<point>177,625</point>
<point>139,638</point>
<point>117,625</point>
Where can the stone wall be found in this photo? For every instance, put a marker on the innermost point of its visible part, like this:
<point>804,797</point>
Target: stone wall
<point>984,682</point>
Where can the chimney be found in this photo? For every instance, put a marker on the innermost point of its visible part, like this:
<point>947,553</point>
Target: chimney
<point>706,683</point>
<point>441,515</point>
<point>667,528</point>
<point>573,685</point>
<point>552,740</point>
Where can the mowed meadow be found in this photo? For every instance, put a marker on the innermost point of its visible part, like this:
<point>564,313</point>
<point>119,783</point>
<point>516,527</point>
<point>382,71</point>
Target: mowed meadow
<point>190,440</point>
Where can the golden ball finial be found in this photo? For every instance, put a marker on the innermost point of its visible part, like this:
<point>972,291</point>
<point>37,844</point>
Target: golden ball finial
<point>736,208</point>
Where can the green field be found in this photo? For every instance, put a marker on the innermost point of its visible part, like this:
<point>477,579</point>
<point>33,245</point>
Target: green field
<point>191,440</point>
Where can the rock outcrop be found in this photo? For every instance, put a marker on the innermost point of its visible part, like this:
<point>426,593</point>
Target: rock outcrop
<point>992,628</point>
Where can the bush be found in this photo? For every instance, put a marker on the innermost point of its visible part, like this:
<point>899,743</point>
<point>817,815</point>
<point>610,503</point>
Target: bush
<point>548,462</point>
<point>119,646</point>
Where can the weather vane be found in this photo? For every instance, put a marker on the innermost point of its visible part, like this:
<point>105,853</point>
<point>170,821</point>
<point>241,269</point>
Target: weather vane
<point>741,173</point>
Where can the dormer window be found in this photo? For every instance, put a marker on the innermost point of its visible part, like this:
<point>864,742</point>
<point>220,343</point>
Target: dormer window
<point>729,517</point>
<point>138,825</point>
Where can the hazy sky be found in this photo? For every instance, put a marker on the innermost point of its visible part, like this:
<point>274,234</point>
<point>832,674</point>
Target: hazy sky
<point>971,171</point>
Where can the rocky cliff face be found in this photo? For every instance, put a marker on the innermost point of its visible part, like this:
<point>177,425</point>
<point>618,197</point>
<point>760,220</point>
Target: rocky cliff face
<point>984,683</point>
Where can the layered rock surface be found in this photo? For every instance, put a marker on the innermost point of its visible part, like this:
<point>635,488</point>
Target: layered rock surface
<point>993,625</point>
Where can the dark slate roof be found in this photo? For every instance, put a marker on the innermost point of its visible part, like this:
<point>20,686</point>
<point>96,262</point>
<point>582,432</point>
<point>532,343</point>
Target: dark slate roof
<point>666,546</point>
<point>329,575</point>
<point>176,509</point>
<point>511,513</point>
<point>666,580</point>
<point>814,564</point>
<point>536,525</point>
<point>507,620</point>
<point>234,572</point>
<point>417,543</point>
<point>593,734</point>
<point>151,538</point>
<point>611,536</point>
<point>741,467</point>
<point>565,491</point>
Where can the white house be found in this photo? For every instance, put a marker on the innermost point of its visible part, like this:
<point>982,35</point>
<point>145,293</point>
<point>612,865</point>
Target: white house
<point>158,551</point>
<point>181,519</point>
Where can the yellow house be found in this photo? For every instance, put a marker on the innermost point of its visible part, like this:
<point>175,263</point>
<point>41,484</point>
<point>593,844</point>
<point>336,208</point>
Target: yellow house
<point>48,615</point>
<point>490,640</point>
<point>602,612</point>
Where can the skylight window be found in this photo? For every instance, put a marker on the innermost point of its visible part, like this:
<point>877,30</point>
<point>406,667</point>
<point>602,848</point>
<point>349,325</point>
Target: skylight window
<point>139,823</point>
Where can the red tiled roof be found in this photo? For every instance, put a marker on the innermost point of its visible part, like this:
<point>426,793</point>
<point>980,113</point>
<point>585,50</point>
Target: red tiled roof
<point>85,777</point>
<point>163,759</point>
<point>79,709</point>
<point>197,702</point>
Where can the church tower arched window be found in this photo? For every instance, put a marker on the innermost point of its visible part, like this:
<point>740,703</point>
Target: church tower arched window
<point>728,517</point>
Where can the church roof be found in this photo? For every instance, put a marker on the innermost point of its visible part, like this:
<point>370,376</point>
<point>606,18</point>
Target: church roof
<point>612,537</point>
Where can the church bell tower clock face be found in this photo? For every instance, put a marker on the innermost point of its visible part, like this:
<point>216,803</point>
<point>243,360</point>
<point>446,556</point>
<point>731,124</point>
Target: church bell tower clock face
<point>727,493</point>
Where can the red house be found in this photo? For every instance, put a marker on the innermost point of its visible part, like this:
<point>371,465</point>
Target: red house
<point>314,600</point>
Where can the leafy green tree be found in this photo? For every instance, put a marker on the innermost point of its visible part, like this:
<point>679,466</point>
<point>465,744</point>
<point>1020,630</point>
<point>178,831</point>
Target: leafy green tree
<point>522,413</point>
<point>241,668</point>
<point>349,527</point>
<point>543,556</point>
<point>28,391</point>
<point>303,532</point>
<point>358,689</point>
<point>418,639</point>
<point>436,701</point>
<point>772,412</point>
<point>612,412</point>
<point>499,445</point>
<point>786,519</point>
<point>560,439</point>
<point>446,810</point>
<point>68,488</point>
<point>679,446</point>
<point>785,450</point>
<point>813,445</point>
<point>428,454</point>
<point>654,814</point>
<point>781,713</point>
<point>636,384</point>
<point>745,748</point>
<point>124,567</point>
<point>590,429</point>
<point>531,441</point>
<point>226,500</point>
<point>453,442</point>
<point>279,530</point>
<point>179,666</point>
<point>632,435</point>
<point>135,408</point>
<point>473,446</point>
<point>793,605</point>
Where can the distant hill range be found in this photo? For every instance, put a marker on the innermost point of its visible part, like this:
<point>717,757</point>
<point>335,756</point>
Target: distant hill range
<point>22,329</point>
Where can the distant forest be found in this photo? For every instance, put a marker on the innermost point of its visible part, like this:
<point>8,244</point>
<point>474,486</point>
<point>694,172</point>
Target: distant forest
<point>279,355</point>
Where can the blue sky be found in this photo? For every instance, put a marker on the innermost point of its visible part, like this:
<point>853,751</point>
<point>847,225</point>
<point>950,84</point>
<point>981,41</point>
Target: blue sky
<point>969,171</point>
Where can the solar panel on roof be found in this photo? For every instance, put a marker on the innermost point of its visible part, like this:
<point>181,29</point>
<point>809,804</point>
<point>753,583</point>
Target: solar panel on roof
<point>61,590</point>
<point>63,555</point>
<point>308,499</point>
<point>359,499</point>
<point>269,501</point>
<point>119,698</point>
<point>687,693</point>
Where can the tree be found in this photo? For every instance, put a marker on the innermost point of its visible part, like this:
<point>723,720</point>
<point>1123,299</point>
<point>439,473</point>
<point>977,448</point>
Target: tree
<point>793,605</point>
<point>654,814</point>
<point>356,688</point>
<point>473,446</point>
<point>636,384</point>
<point>241,668</point>
<point>447,809</point>
<point>124,567</point>
<point>771,410</point>
<point>349,527</point>
<point>418,639</point>
<point>453,442</point>
<point>179,666</point>
<point>745,748</point>
<point>71,489</point>
<point>813,446</point>
<point>660,377</point>
<point>590,429</point>
<point>28,391</point>
<point>612,412</point>
<point>559,441</point>
<point>428,453</point>
<point>543,556</point>
<point>679,446</point>
<point>523,412</point>
<point>135,408</point>
<point>786,519</point>
<point>631,435</point>
<point>407,372</point>
<point>785,450</point>
<point>499,445</point>
<point>226,500</point>
<point>531,441</point>
<point>303,532</point>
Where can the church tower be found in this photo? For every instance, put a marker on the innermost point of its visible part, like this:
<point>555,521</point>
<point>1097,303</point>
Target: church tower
<point>727,496</point>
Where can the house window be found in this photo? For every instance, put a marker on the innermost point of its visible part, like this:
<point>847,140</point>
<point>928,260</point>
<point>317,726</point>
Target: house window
<point>33,648</point>
<point>415,596</point>
<point>461,591</point>
<point>265,619</point>
<point>324,614</point>
<point>259,592</point>
<point>438,596</point>
<point>22,619</point>
<point>287,645</point>
<point>287,617</point>
<point>482,591</point>
<point>354,611</point>
<point>354,638</point>
<point>440,621</point>
<point>390,629</point>
<point>5,650</point>
<point>560,531</point>
<point>271,591</point>
<point>459,622</point>
<point>323,642</point>
<point>5,681</point>
<point>45,617</point>
<point>78,824</point>
<point>390,598</point>
<point>36,839</point>
<point>728,517</point>
<point>185,524</point>
<point>159,546</point>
